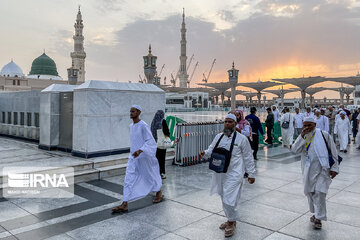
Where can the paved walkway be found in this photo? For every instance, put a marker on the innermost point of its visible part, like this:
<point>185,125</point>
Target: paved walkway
<point>273,208</point>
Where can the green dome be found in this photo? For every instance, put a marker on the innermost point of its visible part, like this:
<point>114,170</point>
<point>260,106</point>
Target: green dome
<point>43,65</point>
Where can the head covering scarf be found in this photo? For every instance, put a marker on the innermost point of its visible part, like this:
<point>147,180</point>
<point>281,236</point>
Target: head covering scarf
<point>343,112</point>
<point>156,123</point>
<point>242,123</point>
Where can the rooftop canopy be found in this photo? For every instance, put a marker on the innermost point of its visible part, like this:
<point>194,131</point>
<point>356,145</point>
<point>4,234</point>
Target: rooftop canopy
<point>259,86</point>
<point>302,83</point>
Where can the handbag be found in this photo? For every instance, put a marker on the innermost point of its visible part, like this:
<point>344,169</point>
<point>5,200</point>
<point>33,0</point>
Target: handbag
<point>220,157</point>
<point>331,159</point>
<point>286,124</point>
<point>163,141</point>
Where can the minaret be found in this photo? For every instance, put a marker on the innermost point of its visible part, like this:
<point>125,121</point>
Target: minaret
<point>183,76</point>
<point>79,55</point>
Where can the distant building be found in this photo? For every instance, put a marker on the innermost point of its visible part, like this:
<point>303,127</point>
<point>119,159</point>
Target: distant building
<point>187,100</point>
<point>43,71</point>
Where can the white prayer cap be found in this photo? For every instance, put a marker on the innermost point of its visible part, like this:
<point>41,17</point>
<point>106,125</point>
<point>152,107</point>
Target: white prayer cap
<point>324,109</point>
<point>343,112</point>
<point>316,110</point>
<point>231,116</point>
<point>310,119</point>
<point>137,107</point>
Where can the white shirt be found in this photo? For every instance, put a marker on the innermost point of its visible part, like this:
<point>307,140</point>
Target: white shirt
<point>298,120</point>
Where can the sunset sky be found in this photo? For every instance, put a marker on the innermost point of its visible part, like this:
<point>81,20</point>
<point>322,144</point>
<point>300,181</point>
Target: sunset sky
<point>266,38</point>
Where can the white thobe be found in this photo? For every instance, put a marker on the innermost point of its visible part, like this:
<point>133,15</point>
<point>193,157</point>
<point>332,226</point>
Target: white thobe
<point>276,116</point>
<point>228,185</point>
<point>343,130</point>
<point>142,173</point>
<point>316,179</point>
<point>287,134</point>
<point>322,123</point>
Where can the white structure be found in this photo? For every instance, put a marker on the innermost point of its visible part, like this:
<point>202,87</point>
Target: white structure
<point>79,55</point>
<point>183,75</point>
<point>102,115</point>
<point>11,70</point>
<point>290,103</point>
<point>93,119</point>
<point>187,100</point>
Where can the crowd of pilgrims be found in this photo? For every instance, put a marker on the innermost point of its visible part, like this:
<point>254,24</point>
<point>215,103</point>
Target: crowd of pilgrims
<point>238,142</point>
<point>340,123</point>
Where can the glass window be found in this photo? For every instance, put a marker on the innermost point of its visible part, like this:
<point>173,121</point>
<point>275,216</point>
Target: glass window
<point>145,61</point>
<point>28,119</point>
<point>3,117</point>
<point>9,118</point>
<point>37,122</point>
<point>22,118</point>
<point>15,118</point>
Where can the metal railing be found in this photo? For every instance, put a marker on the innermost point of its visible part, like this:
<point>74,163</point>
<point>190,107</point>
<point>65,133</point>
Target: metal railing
<point>193,137</point>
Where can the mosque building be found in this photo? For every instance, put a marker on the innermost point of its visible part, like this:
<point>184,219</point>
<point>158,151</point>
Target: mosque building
<point>43,71</point>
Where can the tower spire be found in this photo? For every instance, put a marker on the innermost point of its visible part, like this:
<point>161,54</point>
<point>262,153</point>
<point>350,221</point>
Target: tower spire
<point>149,48</point>
<point>78,55</point>
<point>183,76</point>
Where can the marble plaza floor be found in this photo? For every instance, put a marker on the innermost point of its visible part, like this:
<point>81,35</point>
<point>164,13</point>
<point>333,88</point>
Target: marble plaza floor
<point>274,208</point>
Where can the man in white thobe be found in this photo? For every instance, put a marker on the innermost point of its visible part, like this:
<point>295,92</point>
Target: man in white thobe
<point>308,112</point>
<point>322,122</point>
<point>342,130</point>
<point>276,114</point>
<point>316,170</point>
<point>142,171</point>
<point>287,134</point>
<point>298,122</point>
<point>228,185</point>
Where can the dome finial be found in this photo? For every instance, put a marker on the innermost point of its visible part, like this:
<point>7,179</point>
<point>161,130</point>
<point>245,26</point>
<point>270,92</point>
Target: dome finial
<point>44,51</point>
<point>149,48</point>
<point>12,59</point>
<point>79,8</point>
<point>233,65</point>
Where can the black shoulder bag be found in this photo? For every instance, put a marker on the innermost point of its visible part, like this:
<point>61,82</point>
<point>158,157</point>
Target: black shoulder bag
<point>331,159</point>
<point>220,157</point>
<point>286,124</point>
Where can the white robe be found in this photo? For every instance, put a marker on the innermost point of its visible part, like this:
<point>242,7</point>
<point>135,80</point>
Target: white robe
<point>343,130</point>
<point>316,178</point>
<point>142,173</point>
<point>310,114</point>
<point>287,134</point>
<point>276,116</point>
<point>228,185</point>
<point>322,123</point>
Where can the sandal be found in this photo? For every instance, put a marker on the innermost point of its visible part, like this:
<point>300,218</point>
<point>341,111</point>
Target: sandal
<point>312,219</point>
<point>120,209</point>
<point>224,225</point>
<point>317,224</point>
<point>158,199</point>
<point>230,229</point>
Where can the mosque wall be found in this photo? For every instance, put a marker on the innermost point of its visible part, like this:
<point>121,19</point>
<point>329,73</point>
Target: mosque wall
<point>19,114</point>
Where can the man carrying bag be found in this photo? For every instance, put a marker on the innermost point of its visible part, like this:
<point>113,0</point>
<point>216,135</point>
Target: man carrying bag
<point>227,182</point>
